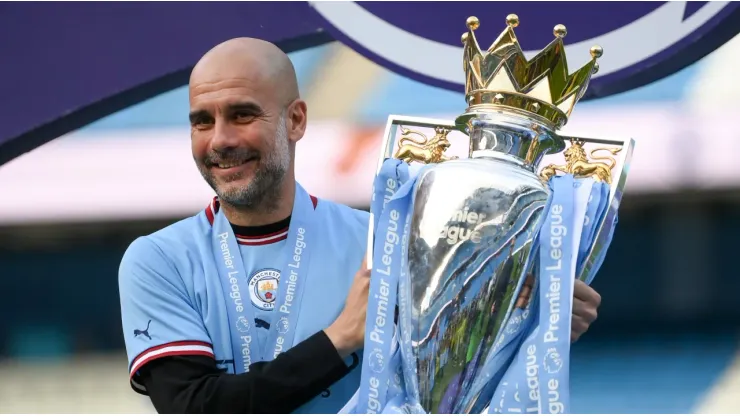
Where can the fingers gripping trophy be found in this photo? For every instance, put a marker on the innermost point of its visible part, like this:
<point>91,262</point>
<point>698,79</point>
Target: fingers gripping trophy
<point>453,237</point>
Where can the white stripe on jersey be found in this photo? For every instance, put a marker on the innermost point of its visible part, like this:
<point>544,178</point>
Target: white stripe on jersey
<point>244,239</point>
<point>169,349</point>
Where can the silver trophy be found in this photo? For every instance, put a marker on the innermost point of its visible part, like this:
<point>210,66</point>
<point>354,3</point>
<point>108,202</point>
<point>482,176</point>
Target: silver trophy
<point>476,213</point>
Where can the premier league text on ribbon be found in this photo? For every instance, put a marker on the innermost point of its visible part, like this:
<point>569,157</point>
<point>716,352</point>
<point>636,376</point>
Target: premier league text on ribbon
<point>533,381</point>
<point>391,241</point>
<point>381,314</point>
<point>232,274</point>
<point>391,185</point>
<point>295,265</point>
<point>554,275</point>
<point>557,232</point>
<point>236,297</point>
<point>379,368</point>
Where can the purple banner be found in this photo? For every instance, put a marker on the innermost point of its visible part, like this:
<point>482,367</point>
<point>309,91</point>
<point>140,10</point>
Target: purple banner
<point>69,64</point>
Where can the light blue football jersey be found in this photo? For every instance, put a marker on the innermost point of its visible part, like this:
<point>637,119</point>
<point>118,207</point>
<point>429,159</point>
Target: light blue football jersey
<point>172,301</point>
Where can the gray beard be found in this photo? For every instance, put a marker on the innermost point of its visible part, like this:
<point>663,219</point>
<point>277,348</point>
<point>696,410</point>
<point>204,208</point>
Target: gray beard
<point>263,192</point>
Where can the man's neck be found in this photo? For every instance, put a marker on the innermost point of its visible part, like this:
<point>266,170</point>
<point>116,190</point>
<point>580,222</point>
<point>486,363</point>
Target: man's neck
<point>268,213</point>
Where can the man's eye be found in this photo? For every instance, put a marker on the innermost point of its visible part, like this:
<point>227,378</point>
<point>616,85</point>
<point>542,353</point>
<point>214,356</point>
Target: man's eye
<point>202,124</point>
<point>243,117</point>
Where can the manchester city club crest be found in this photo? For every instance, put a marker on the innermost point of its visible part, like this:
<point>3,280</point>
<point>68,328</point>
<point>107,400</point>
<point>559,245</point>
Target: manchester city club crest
<point>263,288</point>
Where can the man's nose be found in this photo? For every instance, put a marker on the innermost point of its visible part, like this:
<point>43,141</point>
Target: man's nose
<point>224,135</point>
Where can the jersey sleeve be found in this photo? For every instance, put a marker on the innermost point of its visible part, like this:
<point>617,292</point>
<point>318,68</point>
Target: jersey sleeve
<point>157,315</point>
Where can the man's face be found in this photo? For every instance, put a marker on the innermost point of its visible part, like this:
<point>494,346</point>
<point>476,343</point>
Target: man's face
<point>239,140</point>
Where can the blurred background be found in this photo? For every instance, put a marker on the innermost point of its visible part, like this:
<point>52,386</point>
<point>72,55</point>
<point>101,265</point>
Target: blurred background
<point>666,338</point>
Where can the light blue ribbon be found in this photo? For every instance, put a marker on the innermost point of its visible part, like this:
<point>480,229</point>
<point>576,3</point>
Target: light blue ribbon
<point>527,370</point>
<point>390,233</point>
<point>538,379</point>
<point>244,341</point>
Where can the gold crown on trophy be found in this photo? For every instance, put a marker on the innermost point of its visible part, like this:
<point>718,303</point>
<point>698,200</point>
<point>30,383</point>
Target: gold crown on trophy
<point>501,78</point>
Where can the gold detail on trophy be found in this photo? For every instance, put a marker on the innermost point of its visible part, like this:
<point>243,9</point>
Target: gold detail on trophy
<point>578,164</point>
<point>424,150</point>
<point>501,78</point>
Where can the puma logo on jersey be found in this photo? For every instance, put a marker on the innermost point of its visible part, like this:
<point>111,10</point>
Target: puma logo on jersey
<point>144,332</point>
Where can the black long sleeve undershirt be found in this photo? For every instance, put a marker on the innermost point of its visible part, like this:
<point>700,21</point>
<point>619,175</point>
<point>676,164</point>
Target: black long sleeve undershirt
<point>194,384</point>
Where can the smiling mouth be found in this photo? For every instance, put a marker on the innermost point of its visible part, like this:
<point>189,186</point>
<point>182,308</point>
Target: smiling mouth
<point>233,164</point>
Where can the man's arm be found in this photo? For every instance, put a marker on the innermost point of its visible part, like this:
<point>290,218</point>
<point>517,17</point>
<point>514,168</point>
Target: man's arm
<point>193,384</point>
<point>175,360</point>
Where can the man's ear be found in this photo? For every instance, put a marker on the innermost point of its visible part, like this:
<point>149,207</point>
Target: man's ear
<point>296,120</point>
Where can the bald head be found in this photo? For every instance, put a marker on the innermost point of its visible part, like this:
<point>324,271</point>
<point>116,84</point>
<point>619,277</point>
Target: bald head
<point>252,60</point>
<point>246,117</point>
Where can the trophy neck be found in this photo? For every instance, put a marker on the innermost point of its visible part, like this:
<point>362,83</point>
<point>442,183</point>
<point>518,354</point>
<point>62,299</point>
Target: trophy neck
<point>511,138</point>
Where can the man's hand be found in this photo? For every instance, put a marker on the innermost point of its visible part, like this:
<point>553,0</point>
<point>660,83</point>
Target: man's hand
<point>525,293</point>
<point>586,302</point>
<point>347,333</point>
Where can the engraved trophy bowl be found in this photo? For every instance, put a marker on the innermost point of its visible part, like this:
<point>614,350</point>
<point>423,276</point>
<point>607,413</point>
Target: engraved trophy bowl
<point>473,224</point>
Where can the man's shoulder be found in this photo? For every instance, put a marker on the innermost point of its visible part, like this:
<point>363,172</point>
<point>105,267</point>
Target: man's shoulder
<point>167,246</point>
<point>184,231</point>
<point>345,227</point>
<point>344,214</point>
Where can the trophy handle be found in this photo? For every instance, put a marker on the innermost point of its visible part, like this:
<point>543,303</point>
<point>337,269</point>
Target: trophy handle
<point>391,140</point>
<point>609,164</point>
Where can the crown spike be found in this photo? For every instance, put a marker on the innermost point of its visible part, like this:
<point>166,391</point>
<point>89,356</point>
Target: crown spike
<point>473,23</point>
<point>596,51</point>
<point>512,21</point>
<point>560,31</point>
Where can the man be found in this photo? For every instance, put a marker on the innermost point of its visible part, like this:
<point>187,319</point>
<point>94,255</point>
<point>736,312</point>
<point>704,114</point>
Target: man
<point>266,278</point>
